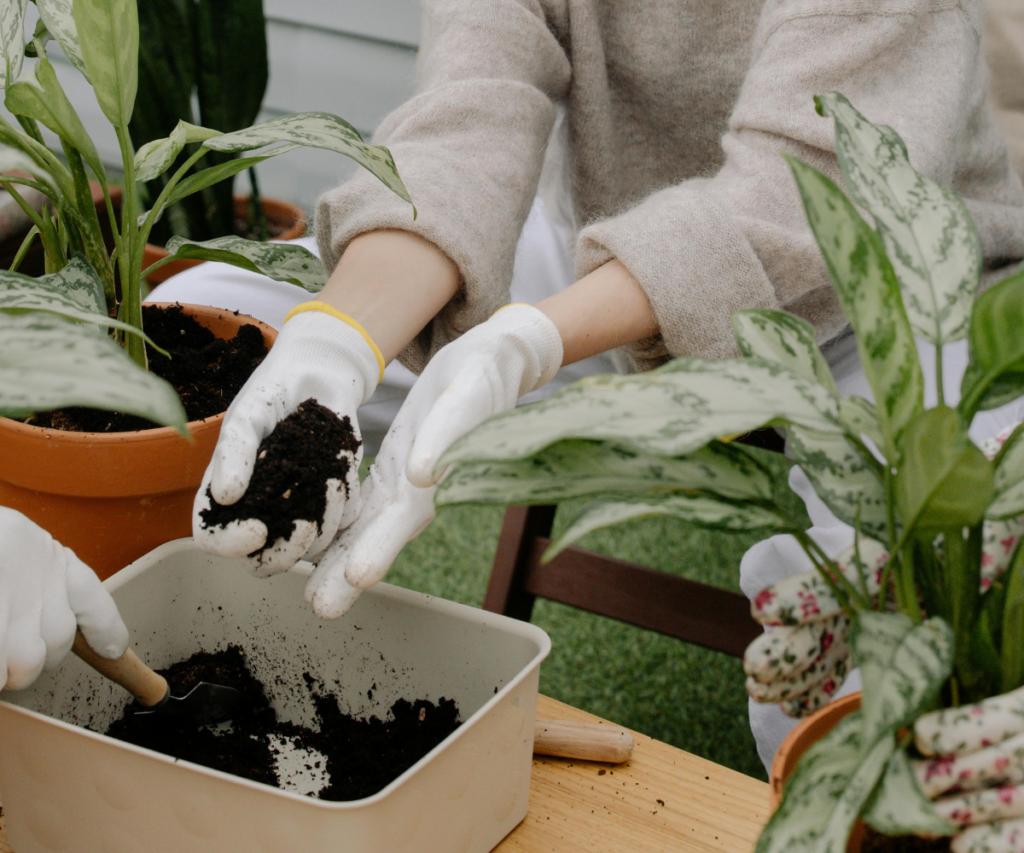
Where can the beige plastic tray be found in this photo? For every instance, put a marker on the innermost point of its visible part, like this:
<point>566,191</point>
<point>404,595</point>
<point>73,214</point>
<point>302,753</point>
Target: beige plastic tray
<point>66,788</point>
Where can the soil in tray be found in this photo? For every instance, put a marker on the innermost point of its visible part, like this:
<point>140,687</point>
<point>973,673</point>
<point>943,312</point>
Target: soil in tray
<point>306,449</point>
<point>206,371</point>
<point>875,842</point>
<point>362,755</point>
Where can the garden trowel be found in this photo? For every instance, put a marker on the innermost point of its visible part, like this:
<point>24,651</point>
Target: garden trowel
<point>205,703</point>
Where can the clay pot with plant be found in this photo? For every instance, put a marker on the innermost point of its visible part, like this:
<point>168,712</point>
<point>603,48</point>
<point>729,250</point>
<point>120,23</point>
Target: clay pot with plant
<point>74,341</point>
<point>929,600</point>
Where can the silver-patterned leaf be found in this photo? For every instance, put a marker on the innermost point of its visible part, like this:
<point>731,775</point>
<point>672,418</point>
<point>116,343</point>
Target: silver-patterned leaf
<point>928,233</point>
<point>155,157</point>
<point>317,130</point>
<point>903,665</point>
<point>870,296</point>
<point>899,807</point>
<point>783,339</point>
<point>12,38</point>
<point>58,16</point>
<point>571,469</point>
<point>703,510</point>
<point>47,363</point>
<point>1009,483</point>
<point>859,418</point>
<point>671,411</point>
<point>108,33</point>
<point>279,261</point>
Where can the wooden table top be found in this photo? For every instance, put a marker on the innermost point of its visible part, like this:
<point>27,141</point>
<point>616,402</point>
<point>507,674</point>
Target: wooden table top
<point>663,799</point>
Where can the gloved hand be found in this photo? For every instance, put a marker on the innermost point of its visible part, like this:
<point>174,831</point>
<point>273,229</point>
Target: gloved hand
<point>45,592</point>
<point>975,771</point>
<point>319,355</point>
<point>479,375</point>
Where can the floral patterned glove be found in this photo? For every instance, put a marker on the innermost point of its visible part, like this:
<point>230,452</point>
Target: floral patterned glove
<point>975,771</point>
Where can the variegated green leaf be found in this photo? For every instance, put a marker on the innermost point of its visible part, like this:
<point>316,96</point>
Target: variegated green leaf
<point>899,807</point>
<point>47,363</point>
<point>221,172</point>
<point>12,38</point>
<point>279,261</point>
<point>903,665</point>
<point>58,16</point>
<point>317,130</point>
<point>870,296</point>
<point>671,411</point>
<point>12,158</point>
<point>571,469</point>
<point>38,94</point>
<point>697,508</point>
<point>859,418</point>
<point>783,339</point>
<point>154,158</point>
<point>927,232</point>
<point>1009,483</point>
<point>108,34</point>
<point>825,794</point>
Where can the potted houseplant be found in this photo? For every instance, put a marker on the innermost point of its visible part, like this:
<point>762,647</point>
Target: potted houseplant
<point>114,496</point>
<point>933,627</point>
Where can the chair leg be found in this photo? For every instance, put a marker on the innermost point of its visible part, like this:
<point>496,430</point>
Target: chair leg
<point>505,589</point>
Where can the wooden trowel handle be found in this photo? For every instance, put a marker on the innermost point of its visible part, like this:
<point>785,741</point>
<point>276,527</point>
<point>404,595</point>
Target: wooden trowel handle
<point>128,671</point>
<point>582,741</point>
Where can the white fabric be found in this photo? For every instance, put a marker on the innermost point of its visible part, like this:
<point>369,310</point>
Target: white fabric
<point>45,592</point>
<point>316,356</point>
<point>475,377</point>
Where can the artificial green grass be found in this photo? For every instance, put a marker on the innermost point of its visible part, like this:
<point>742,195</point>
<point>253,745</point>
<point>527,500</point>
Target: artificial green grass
<point>679,693</point>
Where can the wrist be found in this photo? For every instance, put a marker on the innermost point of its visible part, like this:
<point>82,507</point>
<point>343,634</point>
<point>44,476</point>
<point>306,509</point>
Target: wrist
<point>542,353</point>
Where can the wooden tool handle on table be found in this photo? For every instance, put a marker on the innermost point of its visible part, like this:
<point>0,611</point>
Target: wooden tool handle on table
<point>582,741</point>
<point>128,671</point>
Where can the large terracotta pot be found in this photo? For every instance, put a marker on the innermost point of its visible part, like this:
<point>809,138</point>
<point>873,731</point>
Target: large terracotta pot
<point>286,217</point>
<point>112,497</point>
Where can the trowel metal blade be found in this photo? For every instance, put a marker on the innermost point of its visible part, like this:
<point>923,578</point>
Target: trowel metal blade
<point>205,703</point>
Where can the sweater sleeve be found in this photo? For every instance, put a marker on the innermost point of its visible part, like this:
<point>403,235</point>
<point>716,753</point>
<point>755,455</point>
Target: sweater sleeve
<point>710,246</point>
<point>469,147</point>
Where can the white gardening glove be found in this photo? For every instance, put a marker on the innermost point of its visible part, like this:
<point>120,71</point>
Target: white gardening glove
<point>319,354</point>
<point>479,375</point>
<point>45,592</point>
<point>975,771</point>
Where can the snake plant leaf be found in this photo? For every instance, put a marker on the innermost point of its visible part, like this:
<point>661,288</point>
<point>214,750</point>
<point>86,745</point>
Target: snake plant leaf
<point>12,38</point>
<point>571,469</point>
<point>826,792</point>
<point>1009,483</point>
<point>154,158</point>
<point>38,94</point>
<point>995,368</point>
<point>784,339</point>
<point>870,296</point>
<point>702,510</point>
<point>222,171</point>
<point>279,261</point>
<point>898,806</point>
<point>943,480</point>
<point>58,16</point>
<point>108,32</point>
<point>928,234</point>
<point>317,130</point>
<point>903,665</point>
<point>671,411</point>
<point>47,362</point>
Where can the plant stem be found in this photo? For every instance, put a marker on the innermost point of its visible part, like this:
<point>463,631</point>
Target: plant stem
<point>829,572</point>
<point>131,266</point>
<point>257,215</point>
<point>24,247</point>
<point>165,193</point>
<point>940,392</point>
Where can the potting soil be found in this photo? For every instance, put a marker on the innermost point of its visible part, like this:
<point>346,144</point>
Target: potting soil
<point>875,842</point>
<point>206,371</point>
<point>306,449</point>
<point>361,756</point>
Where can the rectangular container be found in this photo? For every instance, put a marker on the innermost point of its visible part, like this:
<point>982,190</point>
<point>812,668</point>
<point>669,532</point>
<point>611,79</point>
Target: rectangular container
<point>66,788</point>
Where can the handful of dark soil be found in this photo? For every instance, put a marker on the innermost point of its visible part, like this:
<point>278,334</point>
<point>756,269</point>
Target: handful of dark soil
<point>362,756</point>
<point>293,466</point>
<point>206,371</point>
<point>875,842</point>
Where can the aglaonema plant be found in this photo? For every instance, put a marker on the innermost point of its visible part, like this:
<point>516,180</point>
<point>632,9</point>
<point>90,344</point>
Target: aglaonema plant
<point>56,327</point>
<point>942,630</point>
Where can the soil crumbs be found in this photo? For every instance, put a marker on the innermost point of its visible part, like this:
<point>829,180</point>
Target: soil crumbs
<point>306,449</point>
<point>362,756</point>
<point>875,842</point>
<point>206,371</point>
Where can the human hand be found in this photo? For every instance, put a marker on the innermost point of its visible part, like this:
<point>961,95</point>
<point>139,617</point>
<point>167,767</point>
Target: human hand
<point>974,773</point>
<point>479,375</point>
<point>317,355</point>
<point>45,593</point>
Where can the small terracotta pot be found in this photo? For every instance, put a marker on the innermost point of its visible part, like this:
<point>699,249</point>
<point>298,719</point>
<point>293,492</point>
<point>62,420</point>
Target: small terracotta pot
<point>112,497</point>
<point>282,214</point>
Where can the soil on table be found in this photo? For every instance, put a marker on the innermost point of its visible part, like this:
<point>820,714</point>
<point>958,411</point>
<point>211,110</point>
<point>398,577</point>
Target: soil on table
<point>294,463</point>
<point>206,371</point>
<point>875,842</point>
<point>362,755</point>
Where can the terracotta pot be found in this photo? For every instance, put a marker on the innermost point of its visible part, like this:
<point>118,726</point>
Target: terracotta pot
<point>112,497</point>
<point>282,214</point>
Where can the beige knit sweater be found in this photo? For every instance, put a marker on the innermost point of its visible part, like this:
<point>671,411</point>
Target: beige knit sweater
<point>677,111</point>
